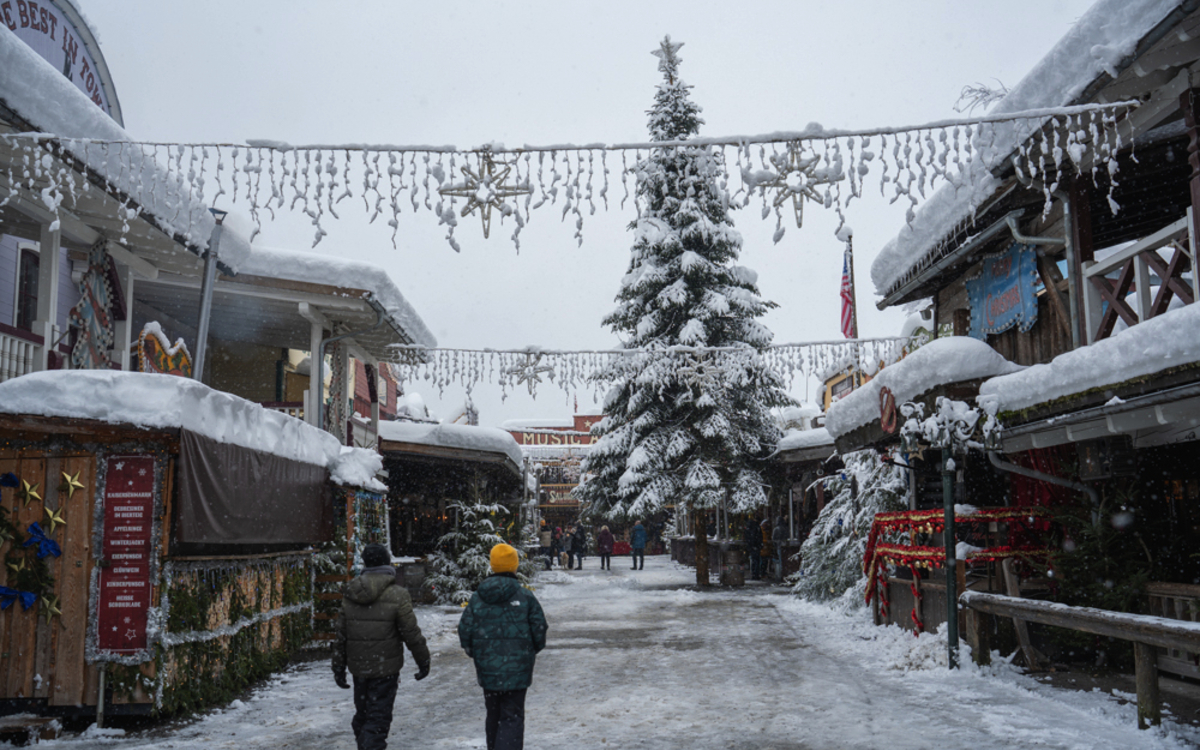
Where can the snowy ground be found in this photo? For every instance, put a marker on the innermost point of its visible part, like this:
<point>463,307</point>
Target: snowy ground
<point>637,660</point>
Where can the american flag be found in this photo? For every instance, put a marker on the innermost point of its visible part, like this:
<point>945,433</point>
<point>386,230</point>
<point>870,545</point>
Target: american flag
<point>849,317</point>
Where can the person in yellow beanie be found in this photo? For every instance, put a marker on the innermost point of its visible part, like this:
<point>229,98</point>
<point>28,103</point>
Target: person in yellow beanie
<point>502,629</point>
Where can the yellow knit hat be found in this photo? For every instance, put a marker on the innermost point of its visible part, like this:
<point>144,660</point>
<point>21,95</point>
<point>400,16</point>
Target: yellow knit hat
<point>504,559</point>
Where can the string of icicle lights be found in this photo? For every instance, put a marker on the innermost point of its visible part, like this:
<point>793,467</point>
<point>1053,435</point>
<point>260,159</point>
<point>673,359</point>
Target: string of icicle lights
<point>172,184</point>
<point>579,370</point>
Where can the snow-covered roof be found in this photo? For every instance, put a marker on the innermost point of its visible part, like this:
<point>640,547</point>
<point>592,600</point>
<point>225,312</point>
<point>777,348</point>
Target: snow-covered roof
<point>38,93</point>
<point>1169,340</point>
<point>350,274</point>
<point>357,467</point>
<point>794,439</point>
<point>168,402</point>
<point>943,361</point>
<point>466,437</point>
<point>1107,33</point>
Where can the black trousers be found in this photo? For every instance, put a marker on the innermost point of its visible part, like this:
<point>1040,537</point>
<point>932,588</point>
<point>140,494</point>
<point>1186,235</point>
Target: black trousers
<point>605,561</point>
<point>374,698</point>
<point>638,552</point>
<point>505,724</point>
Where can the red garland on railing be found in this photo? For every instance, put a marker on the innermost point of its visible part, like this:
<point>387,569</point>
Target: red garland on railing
<point>916,557</point>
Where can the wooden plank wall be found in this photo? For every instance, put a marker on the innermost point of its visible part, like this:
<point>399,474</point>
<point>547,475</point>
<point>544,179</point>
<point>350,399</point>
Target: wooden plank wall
<point>29,644</point>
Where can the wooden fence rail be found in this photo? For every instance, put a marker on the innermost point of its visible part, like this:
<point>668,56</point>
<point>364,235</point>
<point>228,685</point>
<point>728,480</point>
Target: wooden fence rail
<point>1145,631</point>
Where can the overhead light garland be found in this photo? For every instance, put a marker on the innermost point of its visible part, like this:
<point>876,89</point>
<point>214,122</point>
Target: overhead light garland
<point>574,370</point>
<point>172,183</point>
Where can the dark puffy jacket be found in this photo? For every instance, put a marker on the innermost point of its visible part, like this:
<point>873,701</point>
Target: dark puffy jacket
<point>377,621</point>
<point>604,542</point>
<point>502,629</point>
<point>637,539</point>
<point>579,542</point>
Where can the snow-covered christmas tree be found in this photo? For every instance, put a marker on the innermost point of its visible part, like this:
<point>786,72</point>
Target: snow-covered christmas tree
<point>832,554</point>
<point>684,426</point>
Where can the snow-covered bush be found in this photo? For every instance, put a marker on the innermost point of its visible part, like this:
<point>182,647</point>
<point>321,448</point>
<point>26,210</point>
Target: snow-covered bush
<point>463,556</point>
<point>833,553</point>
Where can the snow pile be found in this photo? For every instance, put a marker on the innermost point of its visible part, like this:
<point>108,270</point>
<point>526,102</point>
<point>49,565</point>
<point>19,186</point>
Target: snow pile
<point>38,93</point>
<point>466,437</point>
<point>350,274</point>
<point>952,359</point>
<point>519,425</point>
<point>237,233</point>
<point>1106,34</point>
<point>167,402</point>
<point>357,467</point>
<point>1167,341</point>
<point>794,439</point>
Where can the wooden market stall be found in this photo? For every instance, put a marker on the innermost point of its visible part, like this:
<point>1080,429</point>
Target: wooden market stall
<point>157,541</point>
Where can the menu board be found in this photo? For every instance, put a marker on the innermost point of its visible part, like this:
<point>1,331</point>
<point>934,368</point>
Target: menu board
<point>125,570</point>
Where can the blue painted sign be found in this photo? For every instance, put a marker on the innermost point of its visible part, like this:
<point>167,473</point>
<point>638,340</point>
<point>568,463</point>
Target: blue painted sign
<point>1004,294</point>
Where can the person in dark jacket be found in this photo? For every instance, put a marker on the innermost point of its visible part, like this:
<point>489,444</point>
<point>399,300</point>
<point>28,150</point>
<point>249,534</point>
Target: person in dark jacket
<point>556,545</point>
<point>579,544</point>
<point>503,628</point>
<point>604,546</point>
<point>637,544</point>
<point>568,547</point>
<point>752,537</point>
<point>375,624</point>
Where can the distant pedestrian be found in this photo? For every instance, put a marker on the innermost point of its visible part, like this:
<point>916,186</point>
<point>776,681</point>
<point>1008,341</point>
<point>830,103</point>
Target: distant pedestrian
<point>375,624</point>
<point>752,538</point>
<point>604,547</point>
<point>767,552</point>
<point>568,546</point>
<point>779,539</point>
<point>579,543</point>
<point>556,545</point>
<point>637,544</point>
<point>545,537</point>
<point>502,629</point>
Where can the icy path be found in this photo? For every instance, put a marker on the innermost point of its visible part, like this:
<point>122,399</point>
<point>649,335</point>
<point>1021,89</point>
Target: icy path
<point>635,660</point>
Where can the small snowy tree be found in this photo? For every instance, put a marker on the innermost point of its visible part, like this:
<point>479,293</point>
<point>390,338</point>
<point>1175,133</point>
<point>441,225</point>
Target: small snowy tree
<point>832,554</point>
<point>688,428</point>
<point>463,556</point>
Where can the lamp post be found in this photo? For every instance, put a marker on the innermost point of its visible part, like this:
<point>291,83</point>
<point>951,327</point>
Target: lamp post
<point>207,283</point>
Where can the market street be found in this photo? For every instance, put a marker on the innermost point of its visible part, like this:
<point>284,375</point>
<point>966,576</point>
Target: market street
<point>639,660</point>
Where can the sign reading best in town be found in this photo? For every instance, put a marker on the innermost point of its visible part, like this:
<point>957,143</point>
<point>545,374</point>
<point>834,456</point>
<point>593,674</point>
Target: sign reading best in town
<point>50,33</point>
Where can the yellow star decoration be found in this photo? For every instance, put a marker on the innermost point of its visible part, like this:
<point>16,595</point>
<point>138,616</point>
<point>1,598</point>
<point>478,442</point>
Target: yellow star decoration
<point>28,492</point>
<point>485,189</point>
<point>50,607</point>
<point>54,518</point>
<point>798,178</point>
<point>18,566</point>
<point>70,484</point>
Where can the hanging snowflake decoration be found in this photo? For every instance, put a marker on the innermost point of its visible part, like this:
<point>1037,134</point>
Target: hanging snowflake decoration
<point>801,177</point>
<point>530,371</point>
<point>485,189</point>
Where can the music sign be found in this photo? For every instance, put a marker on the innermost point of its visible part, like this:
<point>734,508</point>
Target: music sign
<point>1004,293</point>
<point>124,600</point>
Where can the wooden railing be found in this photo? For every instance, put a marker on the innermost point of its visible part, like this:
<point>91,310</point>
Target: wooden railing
<point>19,352</point>
<point>1147,633</point>
<point>1176,601</point>
<point>1134,265</point>
<point>290,408</point>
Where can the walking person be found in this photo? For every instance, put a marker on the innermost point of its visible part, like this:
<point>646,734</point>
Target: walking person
<point>579,543</point>
<point>767,553</point>
<point>637,544</point>
<point>604,547</point>
<point>375,624</point>
<point>752,538</point>
<point>556,545</point>
<point>503,628</point>
<point>779,539</point>
<point>568,546</point>
<point>545,537</point>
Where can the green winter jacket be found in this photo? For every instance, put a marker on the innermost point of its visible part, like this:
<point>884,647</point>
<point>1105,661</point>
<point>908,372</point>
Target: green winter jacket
<point>376,622</point>
<point>502,629</point>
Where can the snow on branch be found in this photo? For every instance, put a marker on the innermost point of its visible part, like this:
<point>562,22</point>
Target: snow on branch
<point>168,183</point>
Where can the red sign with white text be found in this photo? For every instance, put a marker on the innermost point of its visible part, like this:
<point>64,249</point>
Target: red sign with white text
<point>125,579</point>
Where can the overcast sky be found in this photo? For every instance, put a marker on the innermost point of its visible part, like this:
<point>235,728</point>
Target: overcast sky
<point>550,72</point>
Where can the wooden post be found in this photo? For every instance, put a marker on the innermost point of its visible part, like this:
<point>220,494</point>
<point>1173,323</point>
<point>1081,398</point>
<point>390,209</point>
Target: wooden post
<point>1145,659</point>
<point>978,637</point>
